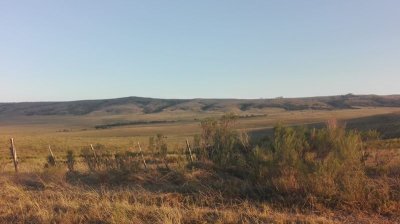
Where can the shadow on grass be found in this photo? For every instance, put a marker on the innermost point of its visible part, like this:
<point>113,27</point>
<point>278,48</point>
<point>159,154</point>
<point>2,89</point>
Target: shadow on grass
<point>198,178</point>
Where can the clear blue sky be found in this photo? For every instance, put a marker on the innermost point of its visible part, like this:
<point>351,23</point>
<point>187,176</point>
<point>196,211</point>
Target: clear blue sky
<point>75,49</point>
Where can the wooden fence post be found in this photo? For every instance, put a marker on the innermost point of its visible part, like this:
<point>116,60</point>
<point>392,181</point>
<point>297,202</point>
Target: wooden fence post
<point>96,165</point>
<point>190,151</point>
<point>13,151</point>
<point>141,153</point>
<point>52,155</point>
<point>94,152</point>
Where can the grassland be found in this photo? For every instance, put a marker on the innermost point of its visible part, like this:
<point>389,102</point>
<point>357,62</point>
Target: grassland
<point>204,193</point>
<point>47,198</point>
<point>34,133</point>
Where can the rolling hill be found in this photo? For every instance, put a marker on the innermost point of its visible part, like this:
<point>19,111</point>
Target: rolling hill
<point>129,105</point>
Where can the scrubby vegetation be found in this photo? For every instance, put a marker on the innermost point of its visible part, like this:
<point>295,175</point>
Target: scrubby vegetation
<point>227,178</point>
<point>313,167</point>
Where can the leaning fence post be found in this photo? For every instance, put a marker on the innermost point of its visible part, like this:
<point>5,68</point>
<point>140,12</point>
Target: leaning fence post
<point>94,152</point>
<point>13,151</point>
<point>190,151</point>
<point>96,165</point>
<point>141,153</point>
<point>52,155</point>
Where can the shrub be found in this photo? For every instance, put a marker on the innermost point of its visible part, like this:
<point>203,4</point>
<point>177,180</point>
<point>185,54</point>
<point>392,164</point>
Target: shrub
<point>102,160</point>
<point>221,143</point>
<point>126,162</point>
<point>288,164</point>
<point>325,164</point>
<point>97,159</point>
<point>339,170</point>
<point>161,148</point>
<point>70,160</point>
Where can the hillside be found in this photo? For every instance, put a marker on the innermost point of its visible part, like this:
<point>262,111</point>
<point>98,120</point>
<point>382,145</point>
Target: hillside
<point>151,105</point>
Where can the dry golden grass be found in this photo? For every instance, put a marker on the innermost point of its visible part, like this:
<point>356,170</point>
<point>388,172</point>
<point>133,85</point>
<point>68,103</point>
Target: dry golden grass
<point>47,197</point>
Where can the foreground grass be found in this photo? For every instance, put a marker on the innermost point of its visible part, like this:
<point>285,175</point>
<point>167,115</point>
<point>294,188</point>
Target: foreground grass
<point>149,197</point>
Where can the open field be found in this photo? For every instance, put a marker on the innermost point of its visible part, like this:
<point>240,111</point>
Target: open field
<point>34,133</point>
<point>184,192</point>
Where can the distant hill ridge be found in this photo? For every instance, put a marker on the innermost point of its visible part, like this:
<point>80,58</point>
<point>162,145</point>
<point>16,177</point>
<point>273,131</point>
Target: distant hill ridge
<point>154,105</point>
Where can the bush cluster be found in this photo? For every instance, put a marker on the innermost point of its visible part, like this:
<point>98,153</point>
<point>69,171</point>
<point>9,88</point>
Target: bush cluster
<point>314,165</point>
<point>221,143</point>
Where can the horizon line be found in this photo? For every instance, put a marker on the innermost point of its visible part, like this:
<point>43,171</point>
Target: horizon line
<point>197,98</point>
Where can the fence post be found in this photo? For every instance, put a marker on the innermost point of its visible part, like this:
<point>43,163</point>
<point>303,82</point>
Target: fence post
<point>52,155</point>
<point>190,151</point>
<point>141,153</point>
<point>97,165</point>
<point>94,152</point>
<point>13,151</point>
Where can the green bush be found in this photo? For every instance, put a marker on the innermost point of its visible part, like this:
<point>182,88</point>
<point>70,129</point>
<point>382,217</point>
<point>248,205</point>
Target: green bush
<point>325,164</point>
<point>288,162</point>
<point>221,143</point>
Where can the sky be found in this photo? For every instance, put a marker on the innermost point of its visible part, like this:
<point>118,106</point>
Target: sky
<point>96,49</point>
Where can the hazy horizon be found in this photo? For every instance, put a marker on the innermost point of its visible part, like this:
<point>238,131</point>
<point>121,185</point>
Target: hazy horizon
<point>66,51</point>
<point>205,98</point>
